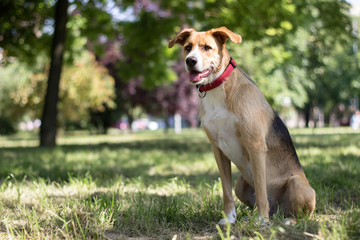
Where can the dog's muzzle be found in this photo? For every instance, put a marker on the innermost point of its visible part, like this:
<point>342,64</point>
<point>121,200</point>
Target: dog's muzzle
<point>191,62</point>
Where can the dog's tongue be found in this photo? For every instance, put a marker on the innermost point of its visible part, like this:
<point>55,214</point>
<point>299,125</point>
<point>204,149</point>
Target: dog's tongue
<point>197,76</point>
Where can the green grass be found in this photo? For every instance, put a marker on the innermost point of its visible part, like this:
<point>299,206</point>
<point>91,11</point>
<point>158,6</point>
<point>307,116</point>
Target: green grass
<point>155,186</point>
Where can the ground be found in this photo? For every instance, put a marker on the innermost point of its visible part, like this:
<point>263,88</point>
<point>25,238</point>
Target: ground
<point>152,185</point>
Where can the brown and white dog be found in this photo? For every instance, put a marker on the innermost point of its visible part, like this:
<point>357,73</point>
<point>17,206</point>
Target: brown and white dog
<point>243,129</point>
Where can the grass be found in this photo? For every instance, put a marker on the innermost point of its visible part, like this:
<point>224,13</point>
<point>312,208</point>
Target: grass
<point>156,186</point>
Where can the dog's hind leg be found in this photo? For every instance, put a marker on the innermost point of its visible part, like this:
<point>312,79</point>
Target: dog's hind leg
<point>299,197</point>
<point>245,192</point>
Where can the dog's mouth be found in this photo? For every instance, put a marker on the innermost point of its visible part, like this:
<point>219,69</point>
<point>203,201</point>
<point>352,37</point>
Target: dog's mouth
<point>196,76</point>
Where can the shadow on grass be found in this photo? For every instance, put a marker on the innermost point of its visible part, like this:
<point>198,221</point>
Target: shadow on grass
<point>325,140</point>
<point>161,217</point>
<point>105,161</point>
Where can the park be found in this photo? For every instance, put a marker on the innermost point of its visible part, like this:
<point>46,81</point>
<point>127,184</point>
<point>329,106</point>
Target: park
<point>100,135</point>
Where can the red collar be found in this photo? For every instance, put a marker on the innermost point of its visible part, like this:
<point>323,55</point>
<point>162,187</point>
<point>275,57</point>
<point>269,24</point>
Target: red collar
<point>219,80</point>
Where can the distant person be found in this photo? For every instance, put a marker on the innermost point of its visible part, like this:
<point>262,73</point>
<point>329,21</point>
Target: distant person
<point>355,120</point>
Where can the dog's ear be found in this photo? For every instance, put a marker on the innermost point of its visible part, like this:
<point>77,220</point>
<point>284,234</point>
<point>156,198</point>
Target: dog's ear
<point>222,34</point>
<point>181,37</point>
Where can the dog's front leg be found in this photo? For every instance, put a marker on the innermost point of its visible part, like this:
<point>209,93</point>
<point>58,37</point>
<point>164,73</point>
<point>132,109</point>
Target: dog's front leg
<point>258,164</point>
<point>224,166</point>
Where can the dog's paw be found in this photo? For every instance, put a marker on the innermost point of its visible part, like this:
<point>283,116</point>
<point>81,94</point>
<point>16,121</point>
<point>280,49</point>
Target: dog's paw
<point>264,222</point>
<point>231,218</point>
<point>287,222</point>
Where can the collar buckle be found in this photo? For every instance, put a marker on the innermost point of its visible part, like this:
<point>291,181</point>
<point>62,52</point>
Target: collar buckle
<point>201,94</point>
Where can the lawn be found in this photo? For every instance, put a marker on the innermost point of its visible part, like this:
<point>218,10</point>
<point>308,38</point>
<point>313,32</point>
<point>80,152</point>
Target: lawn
<point>153,185</point>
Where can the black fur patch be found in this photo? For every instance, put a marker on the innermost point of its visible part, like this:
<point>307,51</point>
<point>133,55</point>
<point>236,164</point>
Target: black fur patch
<point>282,133</point>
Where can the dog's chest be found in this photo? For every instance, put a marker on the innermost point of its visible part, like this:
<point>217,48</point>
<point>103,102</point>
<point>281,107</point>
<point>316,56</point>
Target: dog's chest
<point>220,123</point>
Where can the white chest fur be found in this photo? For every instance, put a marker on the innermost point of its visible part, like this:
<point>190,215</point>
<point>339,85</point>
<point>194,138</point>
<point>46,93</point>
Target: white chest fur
<point>220,123</point>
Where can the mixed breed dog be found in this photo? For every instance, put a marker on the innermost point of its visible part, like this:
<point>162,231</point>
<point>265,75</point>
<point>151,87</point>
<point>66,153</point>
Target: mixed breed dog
<point>244,130</point>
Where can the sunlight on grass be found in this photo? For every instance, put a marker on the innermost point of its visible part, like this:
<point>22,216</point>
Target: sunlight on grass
<point>159,185</point>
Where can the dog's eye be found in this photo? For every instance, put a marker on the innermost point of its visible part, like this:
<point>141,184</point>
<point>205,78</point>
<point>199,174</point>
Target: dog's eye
<point>188,48</point>
<point>207,48</point>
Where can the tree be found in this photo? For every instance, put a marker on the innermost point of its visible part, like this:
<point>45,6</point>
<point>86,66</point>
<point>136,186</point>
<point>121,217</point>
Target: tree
<point>27,19</point>
<point>85,87</point>
<point>49,116</point>
<point>326,29</point>
<point>27,28</point>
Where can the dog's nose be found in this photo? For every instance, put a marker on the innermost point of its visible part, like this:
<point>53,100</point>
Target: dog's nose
<point>191,61</point>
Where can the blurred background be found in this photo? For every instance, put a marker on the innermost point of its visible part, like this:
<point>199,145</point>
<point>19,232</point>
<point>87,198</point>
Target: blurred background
<point>104,65</point>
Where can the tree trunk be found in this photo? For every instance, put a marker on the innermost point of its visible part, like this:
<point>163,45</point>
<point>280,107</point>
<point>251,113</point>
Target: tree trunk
<point>49,116</point>
<point>130,117</point>
<point>307,110</point>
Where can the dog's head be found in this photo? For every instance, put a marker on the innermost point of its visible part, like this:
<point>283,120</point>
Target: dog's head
<point>205,54</point>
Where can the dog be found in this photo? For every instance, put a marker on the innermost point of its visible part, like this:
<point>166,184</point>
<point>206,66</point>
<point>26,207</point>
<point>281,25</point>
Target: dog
<point>243,129</point>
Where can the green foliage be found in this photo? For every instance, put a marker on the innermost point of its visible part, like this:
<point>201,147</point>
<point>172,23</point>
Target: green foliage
<point>22,24</point>
<point>253,19</point>
<point>84,86</point>
<point>13,81</point>
<point>146,50</point>
<point>312,65</point>
<point>26,28</point>
<point>323,48</point>
<point>263,64</point>
<point>340,64</point>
